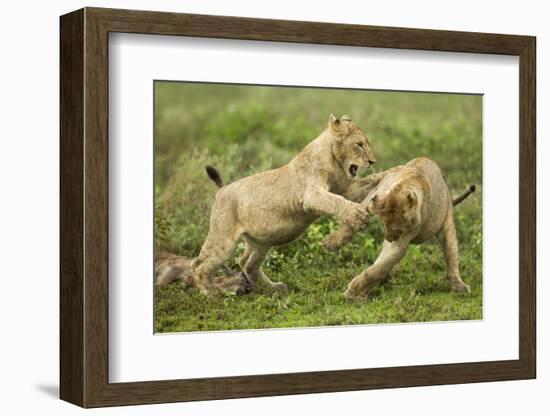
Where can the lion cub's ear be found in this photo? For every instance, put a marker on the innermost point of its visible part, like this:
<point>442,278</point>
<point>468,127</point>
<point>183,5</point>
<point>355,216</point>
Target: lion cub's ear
<point>376,204</point>
<point>337,128</point>
<point>334,122</point>
<point>411,199</point>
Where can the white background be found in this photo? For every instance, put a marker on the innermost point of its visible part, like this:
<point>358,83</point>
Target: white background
<point>135,354</point>
<point>29,217</point>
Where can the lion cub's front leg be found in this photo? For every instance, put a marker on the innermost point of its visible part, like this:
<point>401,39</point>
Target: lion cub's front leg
<point>361,285</point>
<point>359,191</point>
<point>338,238</point>
<point>320,201</point>
<point>344,233</point>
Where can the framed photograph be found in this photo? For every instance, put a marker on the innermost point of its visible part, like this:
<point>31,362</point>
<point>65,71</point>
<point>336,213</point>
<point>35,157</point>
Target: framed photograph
<point>255,207</point>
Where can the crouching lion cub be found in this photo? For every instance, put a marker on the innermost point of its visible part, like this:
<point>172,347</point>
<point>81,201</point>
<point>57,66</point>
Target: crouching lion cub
<point>276,206</point>
<point>414,204</point>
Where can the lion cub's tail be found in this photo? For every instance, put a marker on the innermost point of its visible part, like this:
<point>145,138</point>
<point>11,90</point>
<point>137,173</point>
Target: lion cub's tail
<point>465,195</point>
<point>214,175</point>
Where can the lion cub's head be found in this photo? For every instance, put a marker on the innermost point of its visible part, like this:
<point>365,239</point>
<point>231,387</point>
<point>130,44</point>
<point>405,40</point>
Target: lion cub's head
<point>352,147</point>
<point>398,209</point>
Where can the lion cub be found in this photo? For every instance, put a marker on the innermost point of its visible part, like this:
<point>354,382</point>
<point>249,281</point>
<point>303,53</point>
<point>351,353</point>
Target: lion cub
<point>276,206</point>
<point>414,204</point>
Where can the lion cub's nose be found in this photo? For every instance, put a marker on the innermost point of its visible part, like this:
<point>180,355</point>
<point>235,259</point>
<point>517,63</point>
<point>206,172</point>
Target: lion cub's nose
<point>372,161</point>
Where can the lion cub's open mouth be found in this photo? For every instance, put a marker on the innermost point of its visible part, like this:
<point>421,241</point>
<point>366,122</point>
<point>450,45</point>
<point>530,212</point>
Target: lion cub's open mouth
<point>353,170</point>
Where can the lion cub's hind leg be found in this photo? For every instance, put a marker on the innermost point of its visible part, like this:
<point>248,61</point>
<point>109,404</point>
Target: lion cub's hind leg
<point>246,286</point>
<point>219,246</point>
<point>251,264</point>
<point>449,243</point>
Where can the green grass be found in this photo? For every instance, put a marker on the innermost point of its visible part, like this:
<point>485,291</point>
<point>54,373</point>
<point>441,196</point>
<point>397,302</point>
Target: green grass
<point>242,130</point>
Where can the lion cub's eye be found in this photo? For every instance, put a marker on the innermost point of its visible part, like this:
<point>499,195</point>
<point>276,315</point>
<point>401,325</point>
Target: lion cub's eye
<point>361,145</point>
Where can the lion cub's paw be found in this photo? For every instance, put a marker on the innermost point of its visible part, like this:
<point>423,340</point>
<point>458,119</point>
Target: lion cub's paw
<point>359,288</point>
<point>460,287</point>
<point>356,217</point>
<point>278,288</point>
<point>335,240</point>
<point>332,242</point>
<point>353,296</point>
<point>245,286</point>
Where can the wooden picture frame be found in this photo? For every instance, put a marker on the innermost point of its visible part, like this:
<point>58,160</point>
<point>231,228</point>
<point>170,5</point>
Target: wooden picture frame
<point>84,207</point>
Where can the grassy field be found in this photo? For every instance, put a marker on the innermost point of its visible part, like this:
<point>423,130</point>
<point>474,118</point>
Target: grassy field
<point>242,130</point>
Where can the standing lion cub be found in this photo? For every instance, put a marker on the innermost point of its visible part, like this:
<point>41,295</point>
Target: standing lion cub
<point>414,204</point>
<point>276,206</point>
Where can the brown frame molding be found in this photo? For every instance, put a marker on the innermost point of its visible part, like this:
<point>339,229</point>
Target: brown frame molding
<point>84,207</point>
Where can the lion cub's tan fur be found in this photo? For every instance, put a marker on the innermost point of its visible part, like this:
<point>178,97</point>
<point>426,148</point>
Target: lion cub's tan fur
<point>414,204</point>
<point>276,206</point>
<point>171,268</point>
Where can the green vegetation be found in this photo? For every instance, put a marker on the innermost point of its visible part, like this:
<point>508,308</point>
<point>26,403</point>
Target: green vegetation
<point>242,130</point>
